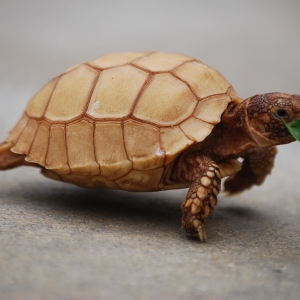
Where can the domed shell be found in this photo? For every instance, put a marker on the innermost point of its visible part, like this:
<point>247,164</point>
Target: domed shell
<point>120,120</point>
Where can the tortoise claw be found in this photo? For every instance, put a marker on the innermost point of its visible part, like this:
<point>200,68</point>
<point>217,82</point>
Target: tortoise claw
<point>202,234</point>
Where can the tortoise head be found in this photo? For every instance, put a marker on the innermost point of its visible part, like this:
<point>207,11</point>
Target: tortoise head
<point>268,115</point>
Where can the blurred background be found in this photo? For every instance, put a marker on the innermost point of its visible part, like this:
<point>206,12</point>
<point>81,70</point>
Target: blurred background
<point>256,46</point>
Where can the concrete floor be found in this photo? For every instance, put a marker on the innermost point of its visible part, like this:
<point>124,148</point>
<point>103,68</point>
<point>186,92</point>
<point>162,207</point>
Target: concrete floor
<point>58,241</point>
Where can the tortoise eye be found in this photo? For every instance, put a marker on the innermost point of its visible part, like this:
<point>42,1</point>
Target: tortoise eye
<point>281,113</point>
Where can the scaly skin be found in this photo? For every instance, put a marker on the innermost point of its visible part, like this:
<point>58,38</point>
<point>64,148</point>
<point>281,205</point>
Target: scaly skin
<point>257,164</point>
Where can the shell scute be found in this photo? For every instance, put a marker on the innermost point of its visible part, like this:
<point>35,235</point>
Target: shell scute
<point>160,61</point>
<point>210,109</point>
<point>80,148</point>
<point>57,158</point>
<point>175,141</point>
<point>71,94</point>
<point>38,103</point>
<point>233,95</point>
<point>89,181</point>
<point>204,80</point>
<point>39,147</point>
<point>148,180</point>
<point>196,129</point>
<point>110,150</point>
<point>18,128</point>
<point>142,143</point>
<point>116,91</point>
<point>115,59</point>
<point>26,137</point>
<point>166,101</point>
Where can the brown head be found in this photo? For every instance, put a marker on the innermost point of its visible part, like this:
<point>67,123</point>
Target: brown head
<point>267,115</point>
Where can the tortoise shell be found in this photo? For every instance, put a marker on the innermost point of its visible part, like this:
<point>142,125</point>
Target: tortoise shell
<point>120,121</point>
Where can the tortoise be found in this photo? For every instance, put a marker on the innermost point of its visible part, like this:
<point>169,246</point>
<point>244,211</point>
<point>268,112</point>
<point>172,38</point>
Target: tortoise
<point>151,121</point>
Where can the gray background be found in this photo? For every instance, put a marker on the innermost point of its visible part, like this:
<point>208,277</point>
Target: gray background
<point>58,241</point>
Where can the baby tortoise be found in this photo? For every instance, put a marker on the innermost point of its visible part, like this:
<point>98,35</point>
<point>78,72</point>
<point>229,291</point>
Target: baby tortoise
<point>151,121</point>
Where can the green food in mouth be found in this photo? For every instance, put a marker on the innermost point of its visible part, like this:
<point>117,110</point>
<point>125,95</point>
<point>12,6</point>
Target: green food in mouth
<point>294,128</point>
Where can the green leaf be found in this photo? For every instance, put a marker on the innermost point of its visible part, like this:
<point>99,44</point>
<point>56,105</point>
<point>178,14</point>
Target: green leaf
<point>294,128</point>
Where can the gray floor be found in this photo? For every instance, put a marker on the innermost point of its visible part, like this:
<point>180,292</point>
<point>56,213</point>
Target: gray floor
<point>58,241</point>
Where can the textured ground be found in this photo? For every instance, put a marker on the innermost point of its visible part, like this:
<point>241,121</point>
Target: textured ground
<point>58,241</point>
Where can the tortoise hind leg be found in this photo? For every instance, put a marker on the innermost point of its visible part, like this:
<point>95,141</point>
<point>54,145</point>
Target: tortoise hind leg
<point>8,159</point>
<point>257,164</point>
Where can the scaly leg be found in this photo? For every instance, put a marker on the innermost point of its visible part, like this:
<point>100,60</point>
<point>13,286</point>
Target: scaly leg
<point>205,181</point>
<point>257,164</point>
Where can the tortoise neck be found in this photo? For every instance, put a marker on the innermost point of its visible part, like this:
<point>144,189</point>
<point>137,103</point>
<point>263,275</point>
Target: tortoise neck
<point>232,135</point>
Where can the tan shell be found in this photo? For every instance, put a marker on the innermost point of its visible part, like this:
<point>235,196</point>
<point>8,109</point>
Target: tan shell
<point>121,120</point>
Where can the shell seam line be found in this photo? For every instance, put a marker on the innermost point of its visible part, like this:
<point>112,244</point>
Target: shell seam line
<point>183,63</point>
<point>67,152</point>
<point>49,100</point>
<point>34,136</point>
<point>17,138</point>
<point>188,85</point>
<point>95,81</point>
<point>141,91</point>
<point>124,144</point>
<point>94,148</point>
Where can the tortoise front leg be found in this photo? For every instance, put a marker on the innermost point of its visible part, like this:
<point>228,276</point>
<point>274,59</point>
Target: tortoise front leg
<point>205,181</point>
<point>257,164</point>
